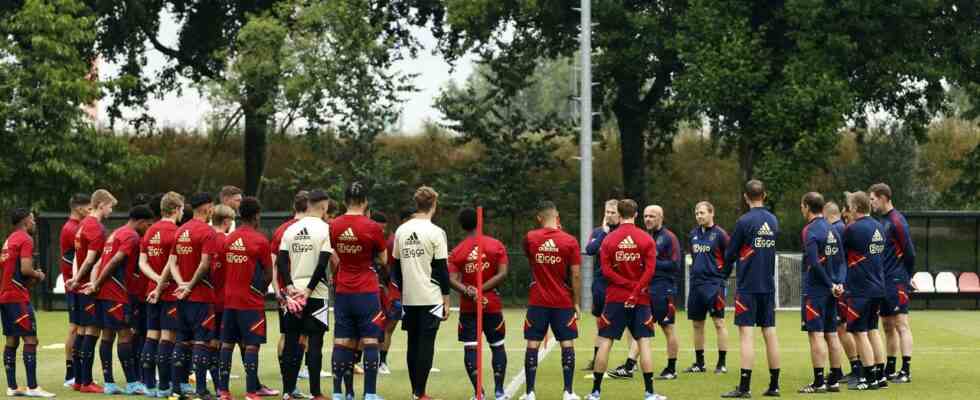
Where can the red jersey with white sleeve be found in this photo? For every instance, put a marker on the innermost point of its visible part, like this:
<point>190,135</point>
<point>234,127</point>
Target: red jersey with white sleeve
<point>189,249</point>
<point>247,255</point>
<point>629,260</point>
<point>116,287</point>
<point>158,243</point>
<point>463,260</point>
<point>551,253</point>
<point>357,240</point>
<point>13,285</point>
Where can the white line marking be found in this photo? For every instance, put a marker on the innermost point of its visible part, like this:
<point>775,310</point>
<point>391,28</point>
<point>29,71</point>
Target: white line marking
<point>520,378</point>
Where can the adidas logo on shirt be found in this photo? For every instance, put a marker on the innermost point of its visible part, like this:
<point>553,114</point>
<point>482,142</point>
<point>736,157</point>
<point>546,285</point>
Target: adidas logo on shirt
<point>155,239</point>
<point>303,234</point>
<point>185,237</point>
<point>548,246</point>
<point>238,245</point>
<point>627,243</point>
<point>474,255</point>
<point>830,238</point>
<point>348,235</point>
<point>877,237</point>
<point>765,230</point>
<point>412,239</point>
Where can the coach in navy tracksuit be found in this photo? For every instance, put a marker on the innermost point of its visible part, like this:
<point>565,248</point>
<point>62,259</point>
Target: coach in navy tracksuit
<point>864,244</point>
<point>753,246</point>
<point>706,295</point>
<point>610,222</point>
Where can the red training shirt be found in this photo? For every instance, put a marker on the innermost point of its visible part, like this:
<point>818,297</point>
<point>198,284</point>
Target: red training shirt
<point>13,285</point>
<point>157,244</point>
<point>67,240</point>
<point>551,253</point>
<point>629,259</point>
<point>189,249</point>
<point>357,240</point>
<point>117,287</point>
<point>91,236</point>
<point>463,260</point>
<point>247,254</point>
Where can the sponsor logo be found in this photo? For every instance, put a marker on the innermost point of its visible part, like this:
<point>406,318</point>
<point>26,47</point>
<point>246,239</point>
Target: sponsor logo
<point>877,243</point>
<point>626,256</point>
<point>156,239</point>
<point>413,239</point>
<point>154,251</point>
<point>349,248</point>
<point>238,245</point>
<point>701,248</point>
<point>185,237</point>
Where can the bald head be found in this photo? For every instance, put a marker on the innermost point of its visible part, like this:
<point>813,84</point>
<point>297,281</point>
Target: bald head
<point>831,211</point>
<point>653,217</point>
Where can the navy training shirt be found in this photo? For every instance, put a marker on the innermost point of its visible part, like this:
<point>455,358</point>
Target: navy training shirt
<point>707,249</point>
<point>821,255</point>
<point>592,249</point>
<point>668,257</point>
<point>754,247</point>
<point>899,257</point>
<point>864,244</point>
<point>840,269</point>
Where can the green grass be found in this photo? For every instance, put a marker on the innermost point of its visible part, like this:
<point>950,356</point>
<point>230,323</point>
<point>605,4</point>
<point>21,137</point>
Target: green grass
<point>946,346</point>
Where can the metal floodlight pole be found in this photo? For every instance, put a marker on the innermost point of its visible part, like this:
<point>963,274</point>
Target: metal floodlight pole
<point>585,145</point>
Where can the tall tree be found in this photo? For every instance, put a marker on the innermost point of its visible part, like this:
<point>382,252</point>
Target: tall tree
<point>50,147</point>
<point>262,52</point>
<point>777,80</point>
<point>635,60</point>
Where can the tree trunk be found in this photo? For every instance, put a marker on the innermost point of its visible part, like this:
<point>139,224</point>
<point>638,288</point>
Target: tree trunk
<point>256,129</point>
<point>632,139</point>
<point>746,167</point>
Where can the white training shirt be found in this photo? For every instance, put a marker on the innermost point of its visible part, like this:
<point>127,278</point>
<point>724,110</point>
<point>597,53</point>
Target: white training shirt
<point>304,240</point>
<point>417,243</point>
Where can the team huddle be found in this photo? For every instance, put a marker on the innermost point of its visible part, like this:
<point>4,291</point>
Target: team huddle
<point>181,285</point>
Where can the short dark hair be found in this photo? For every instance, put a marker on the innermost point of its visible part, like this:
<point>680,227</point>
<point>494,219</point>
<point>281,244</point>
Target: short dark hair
<point>813,202</point>
<point>545,206</point>
<point>250,208</point>
<point>627,208</point>
<point>332,207</point>
<point>467,219</point>
<point>79,200</point>
<point>881,190</point>
<point>356,193</point>
<point>755,190</point>
<point>301,202</point>
<point>141,199</point>
<point>140,212</point>
<point>317,195</point>
<point>186,217</point>
<point>155,205</point>
<point>199,199</point>
<point>18,215</point>
<point>379,217</point>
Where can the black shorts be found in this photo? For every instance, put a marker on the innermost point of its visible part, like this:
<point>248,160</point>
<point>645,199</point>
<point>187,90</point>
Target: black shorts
<point>86,310</point>
<point>421,318</point>
<point>114,315</point>
<point>243,326</point>
<point>314,320</point>
<point>196,321</point>
<point>72,307</point>
<point>561,321</point>
<point>598,297</point>
<point>139,314</point>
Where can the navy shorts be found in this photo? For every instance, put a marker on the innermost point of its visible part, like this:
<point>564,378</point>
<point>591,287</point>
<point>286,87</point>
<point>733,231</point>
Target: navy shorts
<point>243,326</point>
<point>616,318</point>
<point>72,307</point>
<point>86,310</point>
<point>139,314</point>
<point>197,321</point>
<point>18,319</point>
<point>169,316</point>
<point>493,328</point>
<point>562,321</point>
<point>314,320</point>
<point>598,297</point>
<point>862,313</point>
<point>662,305</point>
<point>819,314</point>
<point>704,300</point>
<point>114,315</point>
<point>358,316</point>
<point>755,309</point>
<point>153,316</point>
<point>896,300</point>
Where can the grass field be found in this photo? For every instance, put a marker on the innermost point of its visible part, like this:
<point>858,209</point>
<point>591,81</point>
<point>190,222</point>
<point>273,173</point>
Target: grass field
<point>947,344</point>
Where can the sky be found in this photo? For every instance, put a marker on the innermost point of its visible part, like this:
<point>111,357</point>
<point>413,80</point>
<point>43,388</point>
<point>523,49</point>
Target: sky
<point>189,109</point>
